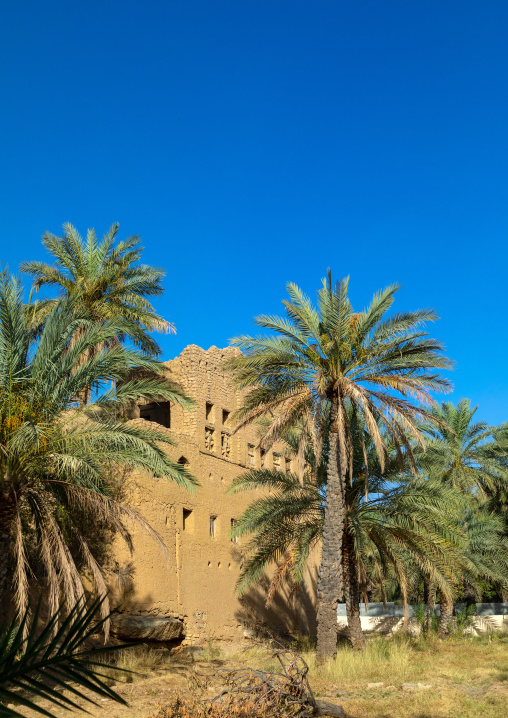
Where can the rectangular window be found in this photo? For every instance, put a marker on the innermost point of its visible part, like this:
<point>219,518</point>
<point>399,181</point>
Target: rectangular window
<point>188,520</point>
<point>288,466</point>
<point>213,526</point>
<point>159,413</point>
<point>225,417</point>
<point>209,413</point>
<point>276,462</point>
<point>262,457</point>
<point>251,461</point>
<point>234,538</point>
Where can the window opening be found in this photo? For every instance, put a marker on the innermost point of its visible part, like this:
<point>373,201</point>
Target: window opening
<point>288,466</point>
<point>225,417</point>
<point>183,461</point>
<point>159,413</point>
<point>276,462</point>
<point>213,526</point>
<point>262,456</point>
<point>234,539</point>
<point>209,413</point>
<point>188,520</point>
<point>250,455</point>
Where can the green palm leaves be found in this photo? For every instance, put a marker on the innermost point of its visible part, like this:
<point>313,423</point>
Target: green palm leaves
<point>106,282</point>
<point>465,454</point>
<point>366,366</point>
<point>60,462</point>
<point>40,663</point>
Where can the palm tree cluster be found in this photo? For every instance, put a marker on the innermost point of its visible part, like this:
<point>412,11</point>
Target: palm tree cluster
<point>397,490</point>
<point>351,393</point>
<point>66,377</point>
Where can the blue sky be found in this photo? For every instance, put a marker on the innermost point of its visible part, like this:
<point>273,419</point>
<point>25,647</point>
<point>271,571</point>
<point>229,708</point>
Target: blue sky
<point>255,143</point>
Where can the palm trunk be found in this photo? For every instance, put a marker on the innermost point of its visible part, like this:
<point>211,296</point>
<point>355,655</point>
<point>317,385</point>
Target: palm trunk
<point>446,606</point>
<point>429,598</point>
<point>7,512</point>
<point>352,592</point>
<point>329,584</point>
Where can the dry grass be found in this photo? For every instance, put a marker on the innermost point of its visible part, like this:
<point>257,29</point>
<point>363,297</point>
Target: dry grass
<point>468,677</point>
<point>138,663</point>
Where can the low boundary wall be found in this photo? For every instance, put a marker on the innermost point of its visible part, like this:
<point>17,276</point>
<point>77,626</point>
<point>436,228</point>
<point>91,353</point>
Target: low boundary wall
<point>489,617</point>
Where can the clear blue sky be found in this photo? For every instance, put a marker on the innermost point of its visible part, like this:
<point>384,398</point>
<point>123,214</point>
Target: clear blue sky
<point>255,143</point>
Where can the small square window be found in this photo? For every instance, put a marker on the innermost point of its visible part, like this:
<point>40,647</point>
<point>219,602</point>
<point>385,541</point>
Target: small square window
<point>213,526</point>
<point>209,412</point>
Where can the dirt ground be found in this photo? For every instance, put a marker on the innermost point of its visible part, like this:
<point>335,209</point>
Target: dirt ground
<point>438,679</point>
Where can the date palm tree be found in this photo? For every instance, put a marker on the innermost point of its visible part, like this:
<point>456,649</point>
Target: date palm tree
<point>383,368</point>
<point>469,456</point>
<point>484,559</point>
<point>60,462</point>
<point>405,525</point>
<point>106,282</point>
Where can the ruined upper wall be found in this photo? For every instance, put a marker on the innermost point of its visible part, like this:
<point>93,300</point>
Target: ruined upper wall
<point>202,375</point>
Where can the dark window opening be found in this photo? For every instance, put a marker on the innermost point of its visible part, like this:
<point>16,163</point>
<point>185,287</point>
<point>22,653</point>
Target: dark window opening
<point>225,417</point>
<point>159,413</point>
<point>183,461</point>
<point>209,413</point>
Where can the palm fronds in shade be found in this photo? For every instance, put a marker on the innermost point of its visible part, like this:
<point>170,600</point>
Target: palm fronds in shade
<point>470,457</point>
<point>106,280</point>
<point>384,367</point>
<point>38,662</point>
<point>467,454</point>
<point>60,462</point>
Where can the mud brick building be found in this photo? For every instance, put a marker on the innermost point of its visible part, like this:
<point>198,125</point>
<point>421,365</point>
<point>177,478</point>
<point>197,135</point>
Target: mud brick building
<point>197,583</point>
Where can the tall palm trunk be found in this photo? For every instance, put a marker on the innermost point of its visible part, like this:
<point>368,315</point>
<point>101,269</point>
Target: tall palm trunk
<point>7,513</point>
<point>446,605</point>
<point>352,591</point>
<point>329,584</point>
